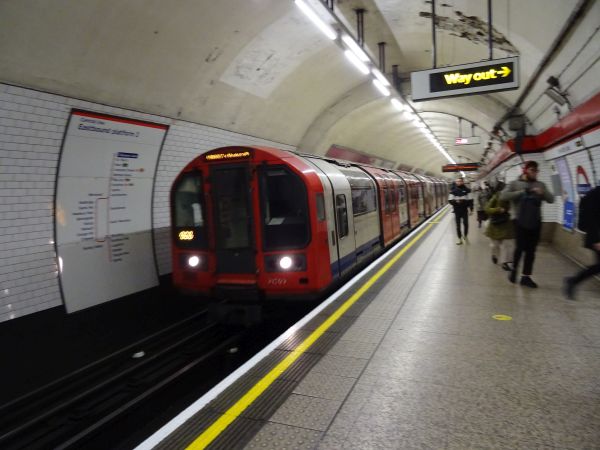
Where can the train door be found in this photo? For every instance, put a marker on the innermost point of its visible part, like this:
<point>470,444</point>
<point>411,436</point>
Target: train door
<point>328,200</point>
<point>401,188</point>
<point>233,219</point>
<point>343,239</point>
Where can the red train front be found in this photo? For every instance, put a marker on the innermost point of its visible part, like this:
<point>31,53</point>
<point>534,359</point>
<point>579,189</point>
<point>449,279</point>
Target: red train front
<point>245,225</point>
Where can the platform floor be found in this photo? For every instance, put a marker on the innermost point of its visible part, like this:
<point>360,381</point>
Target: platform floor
<point>419,361</point>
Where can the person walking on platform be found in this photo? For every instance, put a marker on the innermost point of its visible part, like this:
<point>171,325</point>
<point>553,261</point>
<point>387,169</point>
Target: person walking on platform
<point>526,194</point>
<point>500,228</point>
<point>483,196</point>
<point>591,226</point>
<point>461,201</point>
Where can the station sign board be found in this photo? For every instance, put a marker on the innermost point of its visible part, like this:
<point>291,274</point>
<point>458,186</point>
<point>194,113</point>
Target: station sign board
<point>466,167</point>
<point>467,140</point>
<point>466,79</point>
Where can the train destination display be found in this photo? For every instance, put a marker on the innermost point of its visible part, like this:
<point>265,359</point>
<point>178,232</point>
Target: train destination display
<point>465,79</point>
<point>103,204</point>
<point>464,167</point>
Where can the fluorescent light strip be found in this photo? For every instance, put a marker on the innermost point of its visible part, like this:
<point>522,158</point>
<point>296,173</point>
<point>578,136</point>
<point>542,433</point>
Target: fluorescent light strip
<point>397,104</point>
<point>445,153</point>
<point>381,88</point>
<point>326,29</point>
<point>354,60</point>
<point>355,48</point>
<point>380,77</point>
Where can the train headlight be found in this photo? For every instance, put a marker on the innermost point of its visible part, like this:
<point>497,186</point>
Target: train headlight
<point>193,261</point>
<point>285,263</point>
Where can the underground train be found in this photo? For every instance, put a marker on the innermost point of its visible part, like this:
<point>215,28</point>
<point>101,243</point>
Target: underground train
<point>257,223</point>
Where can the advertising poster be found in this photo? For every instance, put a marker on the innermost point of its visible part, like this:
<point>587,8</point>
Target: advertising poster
<point>103,208</point>
<point>568,193</point>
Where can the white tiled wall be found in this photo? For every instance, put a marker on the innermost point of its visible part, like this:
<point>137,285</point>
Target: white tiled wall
<point>32,125</point>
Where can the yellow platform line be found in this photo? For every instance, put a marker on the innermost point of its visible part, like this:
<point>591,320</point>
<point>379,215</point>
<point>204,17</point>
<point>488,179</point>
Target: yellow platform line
<point>212,432</point>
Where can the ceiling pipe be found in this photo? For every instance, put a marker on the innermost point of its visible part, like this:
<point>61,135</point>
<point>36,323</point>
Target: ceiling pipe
<point>576,16</point>
<point>433,34</point>
<point>360,25</point>
<point>490,43</point>
<point>396,78</point>
<point>381,46</point>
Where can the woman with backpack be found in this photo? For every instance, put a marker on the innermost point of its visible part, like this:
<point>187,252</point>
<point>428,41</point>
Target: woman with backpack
<point>500,228</point>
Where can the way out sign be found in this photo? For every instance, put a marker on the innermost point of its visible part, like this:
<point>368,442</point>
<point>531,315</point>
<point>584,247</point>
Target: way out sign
<point>475,78</point>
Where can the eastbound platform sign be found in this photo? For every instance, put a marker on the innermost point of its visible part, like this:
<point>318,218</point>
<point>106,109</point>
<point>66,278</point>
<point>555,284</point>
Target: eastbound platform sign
<point>466,79</point>
<point>467,167</point>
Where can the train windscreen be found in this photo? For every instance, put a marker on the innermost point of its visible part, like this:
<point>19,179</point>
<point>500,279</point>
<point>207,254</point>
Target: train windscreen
<point>284,209</point>
<point>188,211</point>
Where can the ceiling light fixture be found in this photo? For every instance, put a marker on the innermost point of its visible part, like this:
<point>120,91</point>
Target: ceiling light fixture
<point>380,77</point>
<point>355,48</point>
<point>381,88</point>
<point>357,63</point>
<point>326,29</point>
<point>397,104</point>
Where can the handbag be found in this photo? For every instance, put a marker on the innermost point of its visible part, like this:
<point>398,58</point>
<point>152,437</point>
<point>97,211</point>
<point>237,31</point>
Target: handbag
<point>497,219</point>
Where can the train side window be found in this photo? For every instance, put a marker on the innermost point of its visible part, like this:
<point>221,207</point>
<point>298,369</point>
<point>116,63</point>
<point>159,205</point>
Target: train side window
<point>342,215</point>
<point>363,200</point>
<point>402,194</point>
<point>320,207</point>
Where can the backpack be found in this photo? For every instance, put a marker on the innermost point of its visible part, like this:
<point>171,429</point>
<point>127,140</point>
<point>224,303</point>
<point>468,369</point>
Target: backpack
<point>529,212</point>
<point>585,206</point>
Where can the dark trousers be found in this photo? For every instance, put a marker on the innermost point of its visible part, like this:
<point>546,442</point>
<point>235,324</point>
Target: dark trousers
<point>464,216</point>
<point>589,271</point>
<point>526,242</point>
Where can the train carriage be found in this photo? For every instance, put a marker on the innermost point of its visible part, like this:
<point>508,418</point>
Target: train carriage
<point>254,222</point>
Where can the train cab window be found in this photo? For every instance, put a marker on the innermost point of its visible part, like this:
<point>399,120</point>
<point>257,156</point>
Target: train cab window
<point>341,211</point>
<point>284,209</point>
<point>188,217</point>
<point>320,207</point>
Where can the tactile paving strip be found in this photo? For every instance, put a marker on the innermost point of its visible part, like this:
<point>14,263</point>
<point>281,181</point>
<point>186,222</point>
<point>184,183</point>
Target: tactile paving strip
<point>324,343</point>
<point>189,431</point>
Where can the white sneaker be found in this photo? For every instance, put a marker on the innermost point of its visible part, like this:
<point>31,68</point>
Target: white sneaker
<point>459,242</point>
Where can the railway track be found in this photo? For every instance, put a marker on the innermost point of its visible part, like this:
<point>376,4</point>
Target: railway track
<point>74,411</point>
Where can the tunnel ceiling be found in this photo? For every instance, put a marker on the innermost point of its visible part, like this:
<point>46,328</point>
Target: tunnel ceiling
<point>260,67</point>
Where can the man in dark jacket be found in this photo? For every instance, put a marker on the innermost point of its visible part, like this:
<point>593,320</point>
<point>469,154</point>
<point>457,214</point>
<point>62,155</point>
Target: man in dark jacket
<point>460,199</point>
<point>591,241</point>
<point>526,194</point>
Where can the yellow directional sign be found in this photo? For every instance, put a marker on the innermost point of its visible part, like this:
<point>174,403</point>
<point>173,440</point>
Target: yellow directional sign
<point>466,78</point>
<point>474,78</point>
